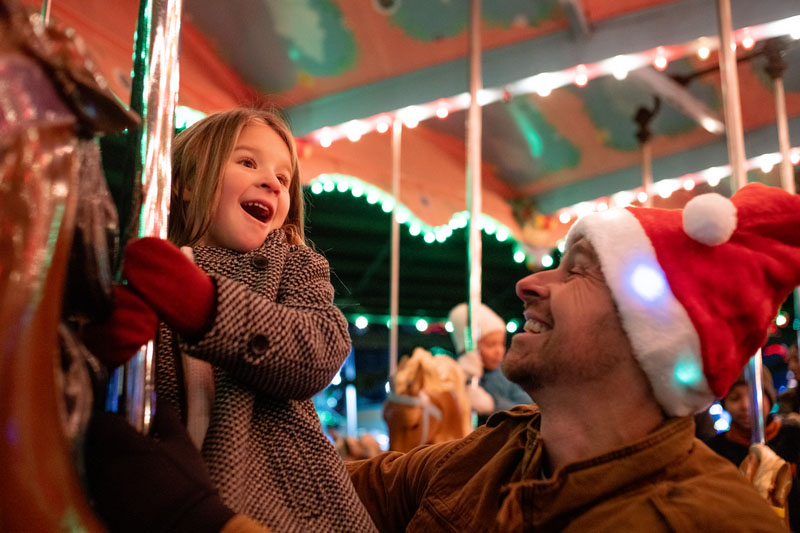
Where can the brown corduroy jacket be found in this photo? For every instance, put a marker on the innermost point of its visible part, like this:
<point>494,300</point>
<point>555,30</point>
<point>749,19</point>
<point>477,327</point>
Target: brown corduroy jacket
<point>277,340</point>
<point>490,481</point>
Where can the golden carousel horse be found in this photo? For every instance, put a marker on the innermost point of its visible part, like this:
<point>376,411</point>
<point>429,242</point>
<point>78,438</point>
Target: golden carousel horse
<point>428,403</point>
<point>57,222</point>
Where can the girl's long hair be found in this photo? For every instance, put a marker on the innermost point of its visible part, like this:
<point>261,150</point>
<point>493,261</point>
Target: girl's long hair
<point>199,155</point>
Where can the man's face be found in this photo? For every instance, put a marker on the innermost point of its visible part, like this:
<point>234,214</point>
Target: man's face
<point>572,333</point>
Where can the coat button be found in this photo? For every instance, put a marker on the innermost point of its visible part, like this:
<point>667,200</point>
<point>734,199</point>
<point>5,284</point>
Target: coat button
<point>259,261</point>
<point>258,344</point>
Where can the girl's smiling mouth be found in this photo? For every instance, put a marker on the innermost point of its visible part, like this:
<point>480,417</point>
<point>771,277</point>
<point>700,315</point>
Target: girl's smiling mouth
<point>257,210</point>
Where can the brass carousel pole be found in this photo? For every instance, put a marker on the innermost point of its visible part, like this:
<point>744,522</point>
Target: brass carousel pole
<point>154,95</point>
<point>776,66</point>
<point>474,175</point>
<point>394,304</point>
<point>736,154</point>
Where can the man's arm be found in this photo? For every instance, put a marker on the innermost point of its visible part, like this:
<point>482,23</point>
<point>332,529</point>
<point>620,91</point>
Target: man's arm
<point>393,484</point>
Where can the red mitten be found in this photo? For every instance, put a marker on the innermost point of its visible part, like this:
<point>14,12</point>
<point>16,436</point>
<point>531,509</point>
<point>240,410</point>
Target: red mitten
<point>132,323</point>
<point>177,289</point>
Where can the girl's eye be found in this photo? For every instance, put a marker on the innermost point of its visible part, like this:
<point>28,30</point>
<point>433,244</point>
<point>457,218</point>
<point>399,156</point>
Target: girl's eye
<point>283,179</point>
<point>247,162</point>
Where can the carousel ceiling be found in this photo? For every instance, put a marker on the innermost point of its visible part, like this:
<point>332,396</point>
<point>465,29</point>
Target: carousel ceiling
<point>564,82</point>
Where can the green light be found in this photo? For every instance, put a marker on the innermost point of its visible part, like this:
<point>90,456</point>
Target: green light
<point>547,261</point>
<point>316,187</point>
<point>387,206</point>
<point>502,234</point>
<point>489,227</point>
<point>413,229</point>
<point>357,190</point>
<point>519,257</point>
<point>562,244</point>
<point>328,186</point>
<point>421,324</point>
<point>372,198</point>
<point>781,320</point>
<point>342,186</point>
<point>448,327</point>
<point>429,237</point>
<point>362,322</point>
<point>186,116</point>
<point>401,216</point>
<point>512,326</point>
<point>687,372</point>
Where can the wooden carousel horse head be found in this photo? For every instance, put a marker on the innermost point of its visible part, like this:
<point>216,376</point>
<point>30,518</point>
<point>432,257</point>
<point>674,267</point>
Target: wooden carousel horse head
<point>428,403</point>
<point>51,105</point>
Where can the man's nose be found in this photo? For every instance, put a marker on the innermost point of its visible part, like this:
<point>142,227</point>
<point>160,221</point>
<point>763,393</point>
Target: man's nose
<point>533,286</point>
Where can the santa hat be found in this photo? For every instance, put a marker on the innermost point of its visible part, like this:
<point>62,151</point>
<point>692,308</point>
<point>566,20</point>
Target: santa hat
<point>488,321</point>
<point>697,289</point>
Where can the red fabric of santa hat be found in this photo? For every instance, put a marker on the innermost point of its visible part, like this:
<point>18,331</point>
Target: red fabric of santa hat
<point>697,288</point>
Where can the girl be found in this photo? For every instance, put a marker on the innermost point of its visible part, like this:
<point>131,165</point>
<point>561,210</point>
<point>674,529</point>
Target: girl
<point>253,333</point>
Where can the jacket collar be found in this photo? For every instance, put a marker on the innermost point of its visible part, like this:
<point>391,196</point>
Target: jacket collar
<point>608,473</point>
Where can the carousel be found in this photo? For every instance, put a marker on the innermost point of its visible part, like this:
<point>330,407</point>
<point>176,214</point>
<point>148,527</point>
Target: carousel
<point>445,149</point>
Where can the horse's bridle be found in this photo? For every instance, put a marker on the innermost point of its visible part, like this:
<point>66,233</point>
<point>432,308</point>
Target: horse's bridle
<point>428,409</point>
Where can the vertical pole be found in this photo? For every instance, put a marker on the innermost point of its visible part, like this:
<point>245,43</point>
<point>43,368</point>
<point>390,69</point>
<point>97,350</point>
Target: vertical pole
<point>735,138</point>
<point>474,173</point>
<point>154,95</point>
<point>647,172</point>
<point>394,300</point>
<point>787,172</point>
<point>46,12</point>
<point>730,96</point>
<point>776,66</point>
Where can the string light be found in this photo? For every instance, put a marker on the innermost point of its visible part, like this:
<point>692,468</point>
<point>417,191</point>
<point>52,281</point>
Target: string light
<point>747,40</point>
<point>564,217</point>
<point>544,83</point>
<point>620,66</point>
<point>660,61</point>
<point>581,78</point>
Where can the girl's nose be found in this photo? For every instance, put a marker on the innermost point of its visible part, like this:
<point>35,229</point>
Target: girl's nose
<point>271,182</point>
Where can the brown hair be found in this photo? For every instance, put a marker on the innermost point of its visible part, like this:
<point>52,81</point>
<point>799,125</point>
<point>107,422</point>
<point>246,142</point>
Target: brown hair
<point>199,155</point>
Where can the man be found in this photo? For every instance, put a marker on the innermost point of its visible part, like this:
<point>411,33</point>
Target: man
<point>650,314</point>
<point>641,325</point>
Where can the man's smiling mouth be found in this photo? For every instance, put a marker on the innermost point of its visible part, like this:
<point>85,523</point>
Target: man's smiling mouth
<point>535,326</point>
<point>257,210</point>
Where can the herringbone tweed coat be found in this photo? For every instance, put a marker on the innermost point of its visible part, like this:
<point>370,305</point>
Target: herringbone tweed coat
<point>277,340</point>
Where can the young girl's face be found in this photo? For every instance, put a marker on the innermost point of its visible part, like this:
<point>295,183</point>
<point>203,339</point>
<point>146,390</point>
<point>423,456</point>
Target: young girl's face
<point>254,192</point>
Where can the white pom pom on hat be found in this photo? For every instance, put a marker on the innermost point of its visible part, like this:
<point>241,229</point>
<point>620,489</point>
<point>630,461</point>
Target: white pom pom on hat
<point>709,219</point>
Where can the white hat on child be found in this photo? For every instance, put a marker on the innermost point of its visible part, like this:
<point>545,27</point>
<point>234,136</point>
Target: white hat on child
<point>488,321</point>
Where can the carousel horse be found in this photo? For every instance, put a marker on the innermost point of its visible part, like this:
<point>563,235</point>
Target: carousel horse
<point>428,403</point>
<point>57,223</point>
